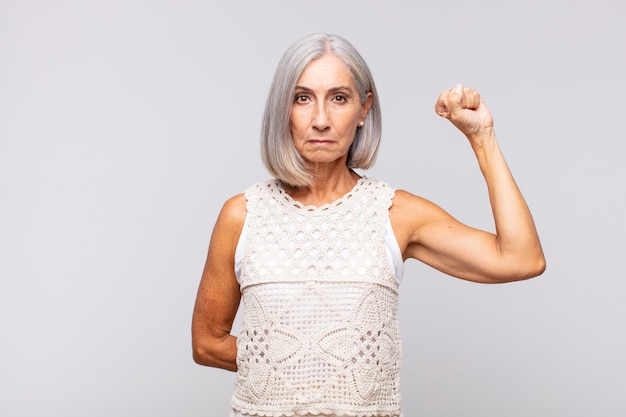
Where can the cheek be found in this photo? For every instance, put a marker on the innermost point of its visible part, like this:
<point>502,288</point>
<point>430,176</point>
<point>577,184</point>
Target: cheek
<point>350,121</point>
<point>294,127</point>
<point>297,122</point>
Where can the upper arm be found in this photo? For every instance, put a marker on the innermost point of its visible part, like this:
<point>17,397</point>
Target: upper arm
<point>429,234</point>
<point>218,295</point>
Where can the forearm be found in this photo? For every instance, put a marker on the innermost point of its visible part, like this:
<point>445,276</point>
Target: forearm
<point>217,353</point>
<point>516,236</point>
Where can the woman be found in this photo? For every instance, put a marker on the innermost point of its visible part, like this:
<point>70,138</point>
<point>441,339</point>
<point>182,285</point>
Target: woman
<point>316,254</point>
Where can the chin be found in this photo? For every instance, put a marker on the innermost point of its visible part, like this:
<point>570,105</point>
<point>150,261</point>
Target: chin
<point>321,159</point>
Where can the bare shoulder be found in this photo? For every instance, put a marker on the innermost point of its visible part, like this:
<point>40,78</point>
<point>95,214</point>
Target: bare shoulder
<point>234,210</point>
<point>402,198</point>
<point>230,222</point>
<point>407,206</point>
<point>411,216</point>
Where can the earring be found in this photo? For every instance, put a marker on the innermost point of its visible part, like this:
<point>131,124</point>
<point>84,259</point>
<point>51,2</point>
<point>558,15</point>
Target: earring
<point>361,124</point>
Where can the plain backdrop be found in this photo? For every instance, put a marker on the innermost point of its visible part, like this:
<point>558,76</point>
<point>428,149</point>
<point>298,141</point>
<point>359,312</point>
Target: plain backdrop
<point>125,125</point>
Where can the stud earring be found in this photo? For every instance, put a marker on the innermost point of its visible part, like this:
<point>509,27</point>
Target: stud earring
<point>361,124</point>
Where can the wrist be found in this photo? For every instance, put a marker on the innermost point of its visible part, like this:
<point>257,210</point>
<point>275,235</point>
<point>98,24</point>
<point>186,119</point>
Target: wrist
<point>485,138</point>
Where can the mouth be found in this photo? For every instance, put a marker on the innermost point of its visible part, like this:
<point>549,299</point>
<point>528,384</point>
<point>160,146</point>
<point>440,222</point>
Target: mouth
<point>319,141</point>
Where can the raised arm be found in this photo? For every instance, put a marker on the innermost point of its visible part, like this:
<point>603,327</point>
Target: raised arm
<point>218,296</point>
<point>433,236</point>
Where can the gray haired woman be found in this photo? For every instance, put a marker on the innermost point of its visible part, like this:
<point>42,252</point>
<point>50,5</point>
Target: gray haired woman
<point>315,255</point>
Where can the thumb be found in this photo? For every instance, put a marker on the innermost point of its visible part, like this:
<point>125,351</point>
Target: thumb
<point>449,101</point>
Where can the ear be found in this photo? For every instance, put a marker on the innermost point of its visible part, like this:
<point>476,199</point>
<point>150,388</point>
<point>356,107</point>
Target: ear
<point>367,105</point>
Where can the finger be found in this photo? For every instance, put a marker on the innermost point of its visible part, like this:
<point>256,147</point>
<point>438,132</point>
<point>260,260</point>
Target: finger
<point>442,107</point>
<point>475,100</point>
<point>456,97</point>
<point>452,99</point>
<point>471,99</point>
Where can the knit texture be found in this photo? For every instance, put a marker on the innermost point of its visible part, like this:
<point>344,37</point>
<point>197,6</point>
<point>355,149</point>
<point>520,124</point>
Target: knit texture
<point>320,330</point>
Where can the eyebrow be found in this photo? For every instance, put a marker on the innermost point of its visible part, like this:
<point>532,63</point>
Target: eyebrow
<point>332,90</point>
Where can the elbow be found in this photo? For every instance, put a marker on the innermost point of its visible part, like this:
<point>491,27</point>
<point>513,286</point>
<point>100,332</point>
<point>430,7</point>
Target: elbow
<point>536,266</point>
<point>541,266</point>
<point>200,355</point>
<point>529,268</point>
<point>201,349</point>
<point>203,355</point>
<point>213,355</point>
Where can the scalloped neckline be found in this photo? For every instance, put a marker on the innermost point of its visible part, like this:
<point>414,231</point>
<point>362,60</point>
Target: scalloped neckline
<point>291,202</point>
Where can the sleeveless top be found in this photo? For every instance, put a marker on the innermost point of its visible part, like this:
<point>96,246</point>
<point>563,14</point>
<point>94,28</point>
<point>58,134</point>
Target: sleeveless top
<point>320,332</point>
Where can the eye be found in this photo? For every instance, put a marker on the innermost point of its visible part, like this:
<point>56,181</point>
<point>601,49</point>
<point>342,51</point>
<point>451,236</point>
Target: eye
<point>340,98</point>
<point>302,98</point>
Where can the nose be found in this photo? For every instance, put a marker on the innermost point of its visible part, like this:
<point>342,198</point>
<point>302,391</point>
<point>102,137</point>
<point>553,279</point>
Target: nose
<point>321,119</point>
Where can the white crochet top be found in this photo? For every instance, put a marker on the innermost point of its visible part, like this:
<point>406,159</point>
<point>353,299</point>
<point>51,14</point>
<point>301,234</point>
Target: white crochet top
<point>320,331</point>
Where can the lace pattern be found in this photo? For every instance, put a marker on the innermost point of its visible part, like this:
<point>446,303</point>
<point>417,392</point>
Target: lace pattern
<point>320,332</point>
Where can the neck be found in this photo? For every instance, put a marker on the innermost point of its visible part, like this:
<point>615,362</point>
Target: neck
<point>329,183</point>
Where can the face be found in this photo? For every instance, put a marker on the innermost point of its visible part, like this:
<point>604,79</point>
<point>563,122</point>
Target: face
<point>326,111</point>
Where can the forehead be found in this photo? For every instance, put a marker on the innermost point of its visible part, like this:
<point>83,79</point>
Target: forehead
<point>327,71</point>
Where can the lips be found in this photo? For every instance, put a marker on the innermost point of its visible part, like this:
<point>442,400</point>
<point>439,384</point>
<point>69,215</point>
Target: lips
<point>320,141</point>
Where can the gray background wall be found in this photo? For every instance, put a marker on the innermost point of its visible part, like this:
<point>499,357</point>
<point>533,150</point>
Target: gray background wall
<point>124,125</point>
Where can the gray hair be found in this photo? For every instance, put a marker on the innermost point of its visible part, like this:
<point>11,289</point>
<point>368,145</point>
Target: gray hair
<point>277,148</point>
